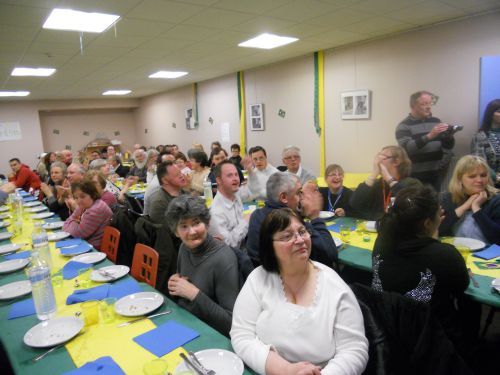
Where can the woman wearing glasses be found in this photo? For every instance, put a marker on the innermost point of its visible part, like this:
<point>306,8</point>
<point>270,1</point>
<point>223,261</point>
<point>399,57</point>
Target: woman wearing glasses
<point>336,196</point>
<point>294,315</point>
<point>390,171</point>
<point>207,282</point>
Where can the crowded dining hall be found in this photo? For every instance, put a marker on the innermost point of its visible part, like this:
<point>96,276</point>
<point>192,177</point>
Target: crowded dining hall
<point>285,187</point>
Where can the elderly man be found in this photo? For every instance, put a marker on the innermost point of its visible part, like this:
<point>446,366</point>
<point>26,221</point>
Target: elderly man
<point>140,168</point>
<point>116,163</point>
<point>285,190</point>
<point>426,139</point>
<point>23,177</point>
<point>67,157</point>
<point>75,173</point>
<point>291,158</point>
<point>172,181</point>
<point>227,220</point>
<point>259,173</point>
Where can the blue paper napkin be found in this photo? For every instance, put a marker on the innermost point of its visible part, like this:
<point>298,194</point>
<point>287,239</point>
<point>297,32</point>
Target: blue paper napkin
<point>102,366</point>
<point>489,253</point>
<point>70,242</point>
<point>77,249</point>
<point>139,196</point>
<point>124,288</point>
<point>81,295</point>
<point>23,193</point>
<point>22,308</point>
<point>29,199</point>
<point>19,255</point>
<point>70,269</point>
<point>165,338</point>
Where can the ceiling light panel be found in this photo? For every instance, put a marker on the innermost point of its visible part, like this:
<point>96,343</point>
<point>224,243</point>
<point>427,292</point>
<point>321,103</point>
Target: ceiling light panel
<point>167,74</point>
<point>267,41</point>
<point>69,19</point>
<point>14,93</point>
<point>116,92</point>
<point>34,72</point>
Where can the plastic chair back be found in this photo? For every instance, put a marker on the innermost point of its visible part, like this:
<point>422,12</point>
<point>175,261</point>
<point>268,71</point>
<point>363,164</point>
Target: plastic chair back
<point>110,243</point>
<point>145,264</point>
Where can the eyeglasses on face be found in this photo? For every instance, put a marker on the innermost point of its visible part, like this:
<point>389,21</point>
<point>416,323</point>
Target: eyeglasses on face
<point>293,236</point>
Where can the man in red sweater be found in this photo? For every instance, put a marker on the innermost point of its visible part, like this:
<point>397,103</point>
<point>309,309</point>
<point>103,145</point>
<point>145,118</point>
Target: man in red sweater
<point>22,176</point>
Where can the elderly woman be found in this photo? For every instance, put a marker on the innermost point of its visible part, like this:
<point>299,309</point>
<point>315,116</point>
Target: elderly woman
<point>294,315</point>
<point>151,162</point>
<point>471,205</point>
<point>55,192</point>
<point>390,171</point>
<point>100,183</point>
<point>91,216</point>
<point>199,164</point>
<point>336,196</point>
<point>102,166</point>
<point>206,282</point>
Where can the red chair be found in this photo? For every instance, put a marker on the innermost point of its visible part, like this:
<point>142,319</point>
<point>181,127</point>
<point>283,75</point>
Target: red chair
<point>145,264</point>
<point>110,242</point>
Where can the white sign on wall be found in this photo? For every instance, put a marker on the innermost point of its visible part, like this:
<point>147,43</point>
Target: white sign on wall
<point>10,131</point>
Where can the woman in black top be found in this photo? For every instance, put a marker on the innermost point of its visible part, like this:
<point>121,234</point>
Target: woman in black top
<point>336,196</point>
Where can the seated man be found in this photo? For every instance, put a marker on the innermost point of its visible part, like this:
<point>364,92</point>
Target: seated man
<point>23,177</point>
<point>116,163</point>
<point>291,158</point>
<point>140,168</point>
<point>259,173</point>
<point>285,190</point>
<point>154,185</point>
<point>228,223</point>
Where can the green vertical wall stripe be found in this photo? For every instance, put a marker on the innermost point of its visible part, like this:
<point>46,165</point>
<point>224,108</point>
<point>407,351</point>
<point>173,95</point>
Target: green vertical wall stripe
<point>316,95</point>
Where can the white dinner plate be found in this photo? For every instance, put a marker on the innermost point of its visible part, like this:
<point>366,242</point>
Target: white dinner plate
<point>138,304</point>
<point>4,208</point>
<point>32,204</point>
<point>53,332</point>
<point>110,273</point>
<point>495,284</point>
<point>53,225</point>
<point>36,209</point>
<point>15,289</point>
<point>137,191</point>
<point>5,249</point>
<point>90,258</point>
<point>338,242</point>
<point>223,362</point>
<point>13,265</point>
<point>471,243</point>
<point>4,224</point>
<point>5,216</point>
<point>371,226</point>
<point>6,235</point>
<point>43,215</point>
<point>326,214</point>
<point>56,236</point>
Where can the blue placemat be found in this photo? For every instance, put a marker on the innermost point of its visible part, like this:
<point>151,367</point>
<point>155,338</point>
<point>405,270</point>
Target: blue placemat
<point>70,269</point>
<point>81,295</point>
<point>76,249</point>
<point>29,199</point>
<point>165,338</point>
<point>101,366</point>
<point>70,242</point>
<point>489,253</point>
<point>123,288</point>
<point>22,308</point>
<point>19,255</point>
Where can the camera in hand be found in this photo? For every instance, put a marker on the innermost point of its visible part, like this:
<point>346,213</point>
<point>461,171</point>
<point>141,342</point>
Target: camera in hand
<point>452,129</point>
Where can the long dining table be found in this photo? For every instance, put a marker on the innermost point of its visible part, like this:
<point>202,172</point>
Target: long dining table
<point>358,254</point>
<point>97,340</point>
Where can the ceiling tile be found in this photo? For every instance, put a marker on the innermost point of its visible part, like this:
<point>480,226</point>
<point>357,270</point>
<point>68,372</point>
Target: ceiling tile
<point>218,18</point>
<point>55,49</point>
<point>163,10</point>
<point>340,18</point>
<point>263,24</point>
<point>164,45</point>
<point>376,24</point>
<point>190,32</point>
<point>22,16</point>
<point>383,6</point>
<point>14,33</point>
<point>136,27</point>
<point>425,13</point>
<point>303,10</point>
<point>254,6</point>
<point>119,7</point>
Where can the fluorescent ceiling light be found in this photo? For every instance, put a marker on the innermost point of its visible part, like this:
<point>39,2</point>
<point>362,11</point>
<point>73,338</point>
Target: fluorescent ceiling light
<point>69,19</point>
<point>167,74</point>
<point>268,41</point>
<point>37,72</point>
<point>116,92</point>
<point>14,93</point>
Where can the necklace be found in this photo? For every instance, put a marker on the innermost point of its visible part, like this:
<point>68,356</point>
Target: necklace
<point>294,293</point>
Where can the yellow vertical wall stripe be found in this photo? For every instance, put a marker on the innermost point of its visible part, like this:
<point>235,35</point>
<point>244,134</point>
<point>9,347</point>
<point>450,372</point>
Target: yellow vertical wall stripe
<point>241,103</point>
<point>321,110</point>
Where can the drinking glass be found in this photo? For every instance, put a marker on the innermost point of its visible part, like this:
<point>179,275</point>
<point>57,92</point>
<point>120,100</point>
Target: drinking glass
<point>345,233</point>
<point>155,367</point>
<point>90,311</point>
<point>107,310</point>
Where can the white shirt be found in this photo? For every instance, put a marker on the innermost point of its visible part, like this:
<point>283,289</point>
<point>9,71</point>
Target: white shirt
<point>329,332</point>
<point>153,186</point>
<point>256,185</point>
<point>226,219</point>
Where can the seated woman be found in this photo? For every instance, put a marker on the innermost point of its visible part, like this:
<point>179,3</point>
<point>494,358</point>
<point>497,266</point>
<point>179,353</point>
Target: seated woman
<point>90,217</point>
<point>409,259</point>
<point>336,196</point>
<point>372,197</point>
<point>55,192</point>
<point>199,164</point>
<point>294,315</point>
<point>207,281</point>
<point>100,183</point>
<point>471,205</point>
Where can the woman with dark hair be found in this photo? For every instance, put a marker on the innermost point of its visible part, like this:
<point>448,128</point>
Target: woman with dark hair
<point>294,315</point>
<point>90,217</point>
<point>43,168</point>
<point>472,204</point>
<point>409,259</point>
<point>207,281</point>
<point>199,164</point>
<point>486,142</point>
<point>390,173</point>
<point>55,192</point>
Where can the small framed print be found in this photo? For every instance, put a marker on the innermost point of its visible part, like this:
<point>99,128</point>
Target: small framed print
<point>257,117</point>
<point>355,105</point>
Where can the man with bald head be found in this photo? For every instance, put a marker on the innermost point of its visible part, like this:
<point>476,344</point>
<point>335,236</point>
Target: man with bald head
<point>67,157</point>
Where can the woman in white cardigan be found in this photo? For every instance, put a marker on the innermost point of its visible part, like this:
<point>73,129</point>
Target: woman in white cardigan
<point>293,315</point>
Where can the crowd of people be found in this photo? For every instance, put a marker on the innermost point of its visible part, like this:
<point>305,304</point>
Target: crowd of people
<point>294,314</point>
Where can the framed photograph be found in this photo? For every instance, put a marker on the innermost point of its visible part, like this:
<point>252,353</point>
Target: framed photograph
<point>189,119</point>
<point>355,105</point>
<point>257,116</point>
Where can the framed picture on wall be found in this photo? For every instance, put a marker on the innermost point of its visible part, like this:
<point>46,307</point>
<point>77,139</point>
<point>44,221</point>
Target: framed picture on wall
<point>257,116</point>
<point>189,119</point>
<point>355,105</point>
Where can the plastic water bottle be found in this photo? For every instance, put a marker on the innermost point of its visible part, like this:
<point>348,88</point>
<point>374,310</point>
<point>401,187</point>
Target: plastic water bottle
<point>41,286</point>
<point>17,205</point>
<point>207,190</point>
<point>40,242</point>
